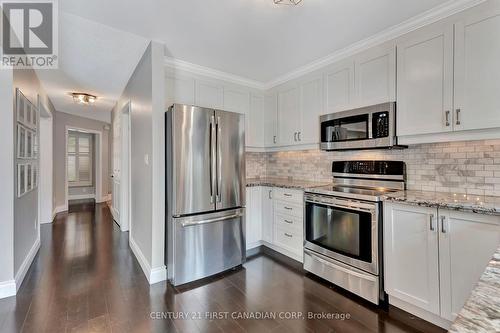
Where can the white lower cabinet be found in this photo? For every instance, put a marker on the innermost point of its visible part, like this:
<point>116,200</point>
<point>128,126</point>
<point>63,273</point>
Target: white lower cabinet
<point>274,217</point>
<point>434,257</point>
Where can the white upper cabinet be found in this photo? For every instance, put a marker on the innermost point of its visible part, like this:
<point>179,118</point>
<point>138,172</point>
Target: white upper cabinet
<point>288,116</point>
<point>209,94</point>
<point>236,101</point>
<point>270,120</point>
<point>311,106</point>
<point>180,90</point>
<point>254,122</point>
<point>466,244</point>
<point>375,75</point>
<point>425,81</point>
<point>339,86</point>
<point>411,269</point>
<point>477,69</point>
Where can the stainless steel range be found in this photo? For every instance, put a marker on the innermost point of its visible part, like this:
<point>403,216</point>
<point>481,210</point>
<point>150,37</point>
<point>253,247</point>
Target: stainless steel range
<point>343,225</point>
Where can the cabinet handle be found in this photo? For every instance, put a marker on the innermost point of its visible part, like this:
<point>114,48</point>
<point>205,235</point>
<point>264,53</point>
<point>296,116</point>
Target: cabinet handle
<point>288,235</point>
<point>274,139</point>
<point>270,194</point>
<point>288,208</point>
<point>288,221</point>
<point>295,136</point>
<point>447,113</point>
<point>287,195</point>
<point>431,222</point>
<point>443,229</point>
<point>458,122</point>
<point>298,135</point>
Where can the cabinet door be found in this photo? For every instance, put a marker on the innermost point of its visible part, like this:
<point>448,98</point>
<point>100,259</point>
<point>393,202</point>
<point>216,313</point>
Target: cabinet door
<point>288,116</point>
<point>339,87</point>
<point>411,255</point>
<point>209,95</point>
<point>467,242</point>
<point>425,81</point>
<point>253,216</point>
<point>376,76</point>
<point>477,69</point>
<point>311,106</point>
<point>255,118</point>
<point>179,90</point>
<point>267,214</point>
<point>270,120</point>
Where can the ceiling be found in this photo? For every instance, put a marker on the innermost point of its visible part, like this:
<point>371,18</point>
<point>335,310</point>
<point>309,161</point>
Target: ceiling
<point>101,44</point>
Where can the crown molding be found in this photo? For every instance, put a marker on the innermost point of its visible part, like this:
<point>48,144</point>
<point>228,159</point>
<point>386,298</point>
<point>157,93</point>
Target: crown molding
<point>430,16</point>
<point>212,73</point>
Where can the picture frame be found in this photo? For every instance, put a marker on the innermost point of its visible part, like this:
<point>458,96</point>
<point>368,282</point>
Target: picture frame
<point>35,145</point>
<point>29,144</point>
<point>34,177</point>
<point>21,141</point>
<point>20,107</point>
<point>29,177</point>
<point>21,180</point>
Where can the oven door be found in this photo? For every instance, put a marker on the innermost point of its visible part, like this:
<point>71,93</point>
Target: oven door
<point>344,230</point>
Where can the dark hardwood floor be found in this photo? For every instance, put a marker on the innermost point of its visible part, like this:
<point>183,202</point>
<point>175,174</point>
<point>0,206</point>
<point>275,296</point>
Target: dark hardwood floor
<point>86,279</point>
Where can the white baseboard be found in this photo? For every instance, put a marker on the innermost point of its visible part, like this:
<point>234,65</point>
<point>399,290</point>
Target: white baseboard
<point>81,196</point>
<point>154,275</point>
<point>114,214</point>
<point>7,288</point>
<point>423,314</point>
<point>103,198</point>
<point>59,209</point>
<point>26,264</point>
<point>293,255</point>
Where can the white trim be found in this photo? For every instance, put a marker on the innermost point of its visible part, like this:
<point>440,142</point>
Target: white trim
<point>486,134</point>
<point>212,73</point>
<point>114,214</point>
<point>313,146</point>
<point>81,196</point>
<point>106,197</point>
<point>7,288</point>
<point>154,275</point>
<point>21,273</point>
<point>428,17</point>
<point>425,315</point>
<point>284,252</point>
<point>59,209</point>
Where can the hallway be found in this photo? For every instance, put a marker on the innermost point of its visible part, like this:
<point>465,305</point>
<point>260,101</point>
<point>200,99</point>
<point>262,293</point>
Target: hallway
<point>86,279</point>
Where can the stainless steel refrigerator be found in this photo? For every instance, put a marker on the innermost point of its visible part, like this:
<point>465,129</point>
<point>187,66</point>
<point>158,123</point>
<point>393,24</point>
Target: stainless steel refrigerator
<point>205,160</point>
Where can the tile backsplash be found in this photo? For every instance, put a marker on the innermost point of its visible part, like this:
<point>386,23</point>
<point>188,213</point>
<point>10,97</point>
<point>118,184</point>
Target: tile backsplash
<point>471,167</point>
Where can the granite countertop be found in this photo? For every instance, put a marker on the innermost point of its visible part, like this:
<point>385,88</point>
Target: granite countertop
<point>468,203</point>
<point>283,183</point>
<point>481,312</point>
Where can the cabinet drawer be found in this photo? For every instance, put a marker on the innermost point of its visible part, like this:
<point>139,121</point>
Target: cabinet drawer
<point>292,209</point>
<point>289,240</point>
<point>288,195</point>
<point>287,222</point>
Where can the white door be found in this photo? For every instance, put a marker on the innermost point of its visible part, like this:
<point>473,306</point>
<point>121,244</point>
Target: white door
<point>115,175</point>
<point>255,118</point>
<point>467,242</point>
<point>288,116</point>
<point>411,255</point>
<point>124,175</point>
<point>311,106</point>
<point>253,217</point>
<point>270,120</point>
<point>477,69</point>
<point>339,87</point>
<point>267,214</point>
<point>425,81</point>
<point>375,71</point>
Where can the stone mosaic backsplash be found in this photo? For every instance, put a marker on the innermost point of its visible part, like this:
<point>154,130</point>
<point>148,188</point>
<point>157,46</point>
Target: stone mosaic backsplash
<point>469,167</point>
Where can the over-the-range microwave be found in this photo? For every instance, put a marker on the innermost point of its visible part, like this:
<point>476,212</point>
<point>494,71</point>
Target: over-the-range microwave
<point>364,128</point>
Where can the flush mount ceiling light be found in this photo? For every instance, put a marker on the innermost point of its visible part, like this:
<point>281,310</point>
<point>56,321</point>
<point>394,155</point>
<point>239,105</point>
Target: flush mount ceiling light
<point>83,98</point>
<point>287,2</point>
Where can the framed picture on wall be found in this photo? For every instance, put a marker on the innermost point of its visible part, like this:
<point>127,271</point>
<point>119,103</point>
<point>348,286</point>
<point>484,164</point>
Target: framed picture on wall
<point>29,177</point>
<point>21,180</point>
<point>35,144</point>
<point>21,141</point>
<point>29,144</point>
<point>34,178</point>
<point>20,107</point>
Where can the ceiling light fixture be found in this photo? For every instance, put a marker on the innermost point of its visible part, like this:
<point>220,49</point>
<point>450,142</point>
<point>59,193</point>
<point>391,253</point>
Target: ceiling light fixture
<point>287,2</point>
<point>83,98</point>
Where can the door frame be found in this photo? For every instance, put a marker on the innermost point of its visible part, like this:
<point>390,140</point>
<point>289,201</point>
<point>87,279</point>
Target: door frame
<point>97,163</point>
<point>125,167</point>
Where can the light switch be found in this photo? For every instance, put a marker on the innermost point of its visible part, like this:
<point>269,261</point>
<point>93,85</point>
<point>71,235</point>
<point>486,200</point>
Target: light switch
<point>146,159</point>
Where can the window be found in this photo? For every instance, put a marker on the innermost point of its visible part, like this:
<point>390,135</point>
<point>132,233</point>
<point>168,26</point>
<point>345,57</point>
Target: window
<point>79,159</point>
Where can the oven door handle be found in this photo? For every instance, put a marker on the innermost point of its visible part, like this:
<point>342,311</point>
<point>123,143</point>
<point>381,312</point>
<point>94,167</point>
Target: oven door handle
<point>330,204</point>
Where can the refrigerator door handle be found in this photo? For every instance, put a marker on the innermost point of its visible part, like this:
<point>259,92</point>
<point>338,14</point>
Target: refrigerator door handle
<point>212,137</point>
<point>217,219</point>
<point>219,160</point>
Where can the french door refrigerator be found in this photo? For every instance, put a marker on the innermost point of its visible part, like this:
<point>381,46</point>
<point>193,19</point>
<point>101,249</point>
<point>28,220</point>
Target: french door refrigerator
<point>205,181</point>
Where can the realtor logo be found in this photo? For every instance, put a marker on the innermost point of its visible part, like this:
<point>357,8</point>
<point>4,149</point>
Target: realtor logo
<point>29,34</point>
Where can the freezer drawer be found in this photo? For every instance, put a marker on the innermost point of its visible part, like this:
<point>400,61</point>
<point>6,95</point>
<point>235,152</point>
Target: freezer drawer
<point>206,244</point>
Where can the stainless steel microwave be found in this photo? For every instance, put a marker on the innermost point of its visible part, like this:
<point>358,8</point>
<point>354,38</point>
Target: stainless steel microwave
<point>364,128</point>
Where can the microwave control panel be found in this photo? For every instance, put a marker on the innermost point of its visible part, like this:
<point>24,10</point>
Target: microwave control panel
<point>380,123</point>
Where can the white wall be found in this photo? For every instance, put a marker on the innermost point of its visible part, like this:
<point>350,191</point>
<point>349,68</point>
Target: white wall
<point>145,91</point>
<point>46,169</point>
